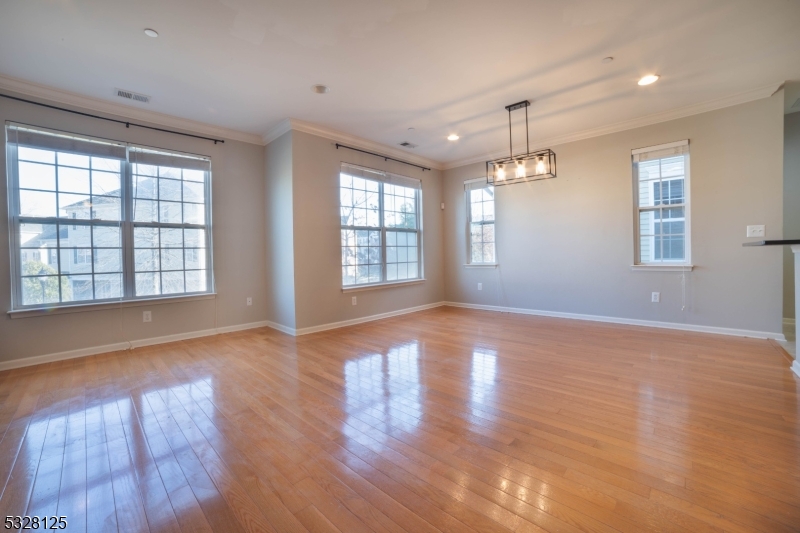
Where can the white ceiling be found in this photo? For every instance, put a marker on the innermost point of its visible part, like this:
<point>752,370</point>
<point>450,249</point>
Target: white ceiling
<point>440,66</point>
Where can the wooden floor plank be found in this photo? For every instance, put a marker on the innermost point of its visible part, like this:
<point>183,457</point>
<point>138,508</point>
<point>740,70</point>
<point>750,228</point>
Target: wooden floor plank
<point>445,420</point>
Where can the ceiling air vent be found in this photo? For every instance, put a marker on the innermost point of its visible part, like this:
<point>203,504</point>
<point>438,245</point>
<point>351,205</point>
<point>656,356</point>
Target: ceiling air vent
<point>408,145</point>
<point>130,95</point>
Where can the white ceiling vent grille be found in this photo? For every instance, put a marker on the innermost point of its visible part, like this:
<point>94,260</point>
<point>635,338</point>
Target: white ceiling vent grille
<point>408,145</point>
<point>136,97</point>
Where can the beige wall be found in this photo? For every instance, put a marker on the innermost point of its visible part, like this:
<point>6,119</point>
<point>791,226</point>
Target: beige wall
<point>566,244</point>
<point>317,260</point>
<point>280,231</point>
<point>791,204</point>
<point>239,248</point>
<point>563,245</point>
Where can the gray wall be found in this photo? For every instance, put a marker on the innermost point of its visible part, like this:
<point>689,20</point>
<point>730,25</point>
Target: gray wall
<point>317,263</point>
<point>791,204</point>
<point>239,248</point>
<point>280,231</point>
<point>566,244</point>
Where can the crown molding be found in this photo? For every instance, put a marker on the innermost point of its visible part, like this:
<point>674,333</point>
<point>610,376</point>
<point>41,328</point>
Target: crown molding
<point>664,116</point>
<point>60,96</point>
<point>292,124</point>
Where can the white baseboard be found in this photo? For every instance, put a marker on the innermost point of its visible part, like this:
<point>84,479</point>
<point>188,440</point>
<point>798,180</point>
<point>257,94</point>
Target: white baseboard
<point>83,352</point>
<point>127,345</point>
<point>282,328</point>
<point>345,323</point>
<point>61,356</point>
<point>796,367</point>
<point>626,321</point>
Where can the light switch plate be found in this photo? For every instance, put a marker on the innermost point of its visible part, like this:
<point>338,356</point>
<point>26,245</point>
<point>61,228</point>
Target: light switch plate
<point>756,231</point>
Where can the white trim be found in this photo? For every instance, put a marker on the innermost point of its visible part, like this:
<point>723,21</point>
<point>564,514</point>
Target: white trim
<point>626,321</point>
<point>345,323</point>
<point>52,94</point>
<point>105,306</point>
<point>796,367</point>
<point>94,350</point>
<point>653,267</point>
<point>127,345</point>
<point>659,147</point>
<point>481,265</point>
<point>283,329</point>
<point>62,356</point>
<point>384,285</point>
<point>647,120</point>
<point>292,124</point>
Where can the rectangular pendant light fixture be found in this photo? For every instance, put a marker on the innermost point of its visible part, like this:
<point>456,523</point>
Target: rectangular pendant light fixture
<point>528,166</point>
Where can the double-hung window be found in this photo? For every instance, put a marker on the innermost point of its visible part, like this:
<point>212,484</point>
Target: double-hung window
<point>381,233</point>
<point>661,194</point>
<point>94,220</point>
<point>480,222</point>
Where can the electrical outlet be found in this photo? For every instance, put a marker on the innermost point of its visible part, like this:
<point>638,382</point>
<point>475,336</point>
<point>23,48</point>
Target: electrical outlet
<point>353,299</point>
<point>442,205</point>
<point>656,297</point>
<point>756,231</point>
<point>249,300</point>
<point>147,316</point>
<point>480,286</point>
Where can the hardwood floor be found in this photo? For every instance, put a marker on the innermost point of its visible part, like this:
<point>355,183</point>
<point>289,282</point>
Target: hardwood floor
<point>444,420</point>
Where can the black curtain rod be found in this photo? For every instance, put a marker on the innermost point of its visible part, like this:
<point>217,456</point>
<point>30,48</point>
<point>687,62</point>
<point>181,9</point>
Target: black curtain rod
<point>127,124</point>
<point>385,157</point>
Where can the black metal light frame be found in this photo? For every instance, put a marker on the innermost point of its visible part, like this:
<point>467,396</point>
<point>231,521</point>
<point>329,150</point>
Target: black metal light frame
<point>545,158</point>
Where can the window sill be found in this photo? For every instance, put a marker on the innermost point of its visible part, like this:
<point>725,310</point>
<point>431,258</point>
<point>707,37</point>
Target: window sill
<point>82,308</point>
<point>662,268</point>
<point>385,285</point>
<point>481,265</point>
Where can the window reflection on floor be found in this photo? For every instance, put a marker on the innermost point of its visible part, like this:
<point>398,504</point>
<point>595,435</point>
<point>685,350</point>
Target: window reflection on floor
<point>80,449</point>
<point>484,375</point>
<point>383,392</point>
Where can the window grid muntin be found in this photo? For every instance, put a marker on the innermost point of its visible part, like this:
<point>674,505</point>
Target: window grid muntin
<point>123,222</point>
<point>480,228</point>
<point>381,227</point>
<point>166,174</point>
<point>653,241</point>
<point>59,195</point>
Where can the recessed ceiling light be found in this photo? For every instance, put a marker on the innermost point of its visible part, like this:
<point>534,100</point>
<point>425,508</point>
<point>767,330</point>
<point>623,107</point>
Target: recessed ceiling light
<point>452,137</point>
<point>151,33</point>
<point>320,89</point>
<point>647,80</point>
<point>608,59</point>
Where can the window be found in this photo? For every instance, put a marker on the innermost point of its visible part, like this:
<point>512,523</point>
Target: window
<point>480,221</point>
<point>96,220</point>
<point>661,184</point>
<point>381,231</point>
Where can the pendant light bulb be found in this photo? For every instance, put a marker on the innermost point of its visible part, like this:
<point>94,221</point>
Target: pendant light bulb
<point>540,165</point>
<point>520,168</point>
<point>501,172</point>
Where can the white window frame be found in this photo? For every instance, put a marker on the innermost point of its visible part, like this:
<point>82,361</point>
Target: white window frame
<point>651,153</point>
<point>126,225</point>
<point>470,185</point>
<point>385,178</point>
